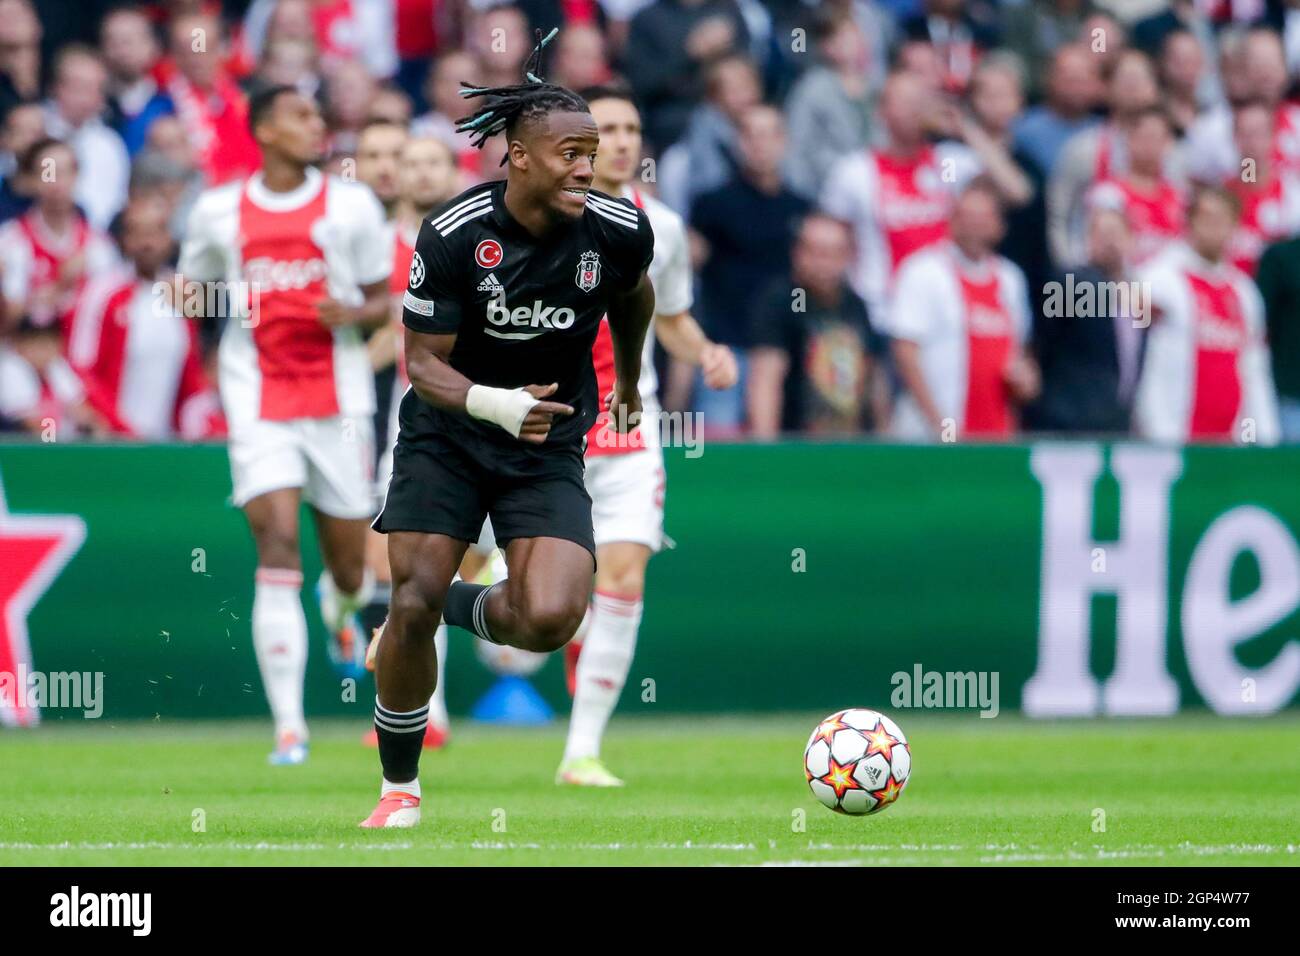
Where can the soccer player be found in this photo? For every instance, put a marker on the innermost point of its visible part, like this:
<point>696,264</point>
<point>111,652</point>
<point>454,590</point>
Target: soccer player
<point>625,474</point>
<point>508,286</point>
<point>426,177</point>
<point>296,384</point>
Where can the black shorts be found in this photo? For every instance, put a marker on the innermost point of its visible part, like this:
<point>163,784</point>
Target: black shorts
<point>444,485</point>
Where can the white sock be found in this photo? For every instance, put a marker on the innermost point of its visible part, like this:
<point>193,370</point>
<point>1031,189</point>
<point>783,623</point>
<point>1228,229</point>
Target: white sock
<point>280,640</point>
<point>438,702</point>
<point>336,605</point>
<point>411,786</point>
<point>602,670</point>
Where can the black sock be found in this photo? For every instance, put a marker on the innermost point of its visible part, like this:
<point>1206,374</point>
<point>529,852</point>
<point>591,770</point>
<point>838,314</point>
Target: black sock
<point>465,608</point>
<point>401,736</point>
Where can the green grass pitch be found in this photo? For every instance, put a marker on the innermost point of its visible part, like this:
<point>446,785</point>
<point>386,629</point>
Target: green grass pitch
<point>1195,790</point>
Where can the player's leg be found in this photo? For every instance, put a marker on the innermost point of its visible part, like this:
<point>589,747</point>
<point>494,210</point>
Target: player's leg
<point>406,666</point>
<point>541,512</point>
<point>340,489</point>
<point>627,494</point>
<point>540,604</point>
<point>608,648</point>
<point>279,624</point>
<point>344,588</point>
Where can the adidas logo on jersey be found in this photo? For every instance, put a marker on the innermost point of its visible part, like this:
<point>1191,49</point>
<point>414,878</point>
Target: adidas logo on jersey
<point>538,316</point>
<point>491,284</point>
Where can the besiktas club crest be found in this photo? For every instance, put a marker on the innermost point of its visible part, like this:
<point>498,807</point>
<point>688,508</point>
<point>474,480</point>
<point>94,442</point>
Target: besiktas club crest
<point>588,271</point>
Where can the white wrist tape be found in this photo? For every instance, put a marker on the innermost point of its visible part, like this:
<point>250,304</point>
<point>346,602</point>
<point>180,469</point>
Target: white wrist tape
<point>507,407</point>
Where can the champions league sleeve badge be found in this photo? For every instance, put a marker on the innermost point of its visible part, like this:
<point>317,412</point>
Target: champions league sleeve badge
<point>588,271</point>
<point>417,271</point>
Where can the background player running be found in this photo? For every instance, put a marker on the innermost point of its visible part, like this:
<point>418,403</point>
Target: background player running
<point>508,285</point>
<point>625,476</point>
<point>295,381</point>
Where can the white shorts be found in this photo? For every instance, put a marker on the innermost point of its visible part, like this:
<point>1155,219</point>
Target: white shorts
<point>330,459</point>
<point>627,497</point>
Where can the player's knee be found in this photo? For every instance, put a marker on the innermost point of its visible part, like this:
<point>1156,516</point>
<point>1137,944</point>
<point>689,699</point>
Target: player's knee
<point>551,624</point>
<point>349,576</point>
<point>413,612</point>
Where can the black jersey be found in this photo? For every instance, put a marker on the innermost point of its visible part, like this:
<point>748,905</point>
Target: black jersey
<point>525,311</point>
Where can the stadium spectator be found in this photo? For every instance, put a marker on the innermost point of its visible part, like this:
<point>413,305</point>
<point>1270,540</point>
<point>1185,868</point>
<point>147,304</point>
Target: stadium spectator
<point>1036,31</point>
<point>1207,374</point>
<point>1097,154</point>
<point>39,391</point>
<point>390,104</point>
<point>23,127</point>
<point>744,231</point>
<point>960,323</point>
<point>48,253</point>
<point>131,54</point>
<point>829,108</point>
<point>1279,286</point>
<point>499,37</point>
<point>1090,336</point>
<point>897,196</point>
<point>1269,196</point>
<point>341,31</point>
<point>813,356</point>
<point>1146,197</point>
<point>442,91</point>
<point>1073,89</point>
<point>670,44</point>
<point>74,114</point>
<point>348,93</point>
<point>1258,68</point>
<point>20,53</point>
<point>137,358</point>
<point>206,99</point>
<point>960,31</point>
<point>287,62</point>
<point>707,155</point>
<point>579,61</point>
<point>1189,87</point>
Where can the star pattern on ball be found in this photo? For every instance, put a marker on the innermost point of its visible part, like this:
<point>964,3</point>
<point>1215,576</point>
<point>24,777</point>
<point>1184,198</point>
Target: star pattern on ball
<point>888,793</point>
<point>827,728</point>
<point>840,778</point>
<point>880,741</point>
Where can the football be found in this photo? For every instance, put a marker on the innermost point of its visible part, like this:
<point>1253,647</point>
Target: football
<point>857,761</point>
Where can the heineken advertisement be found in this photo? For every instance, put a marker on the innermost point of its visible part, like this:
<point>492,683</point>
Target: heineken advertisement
<point>1061,579</point>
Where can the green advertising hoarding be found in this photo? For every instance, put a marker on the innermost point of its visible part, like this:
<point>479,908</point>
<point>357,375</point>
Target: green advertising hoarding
<point>1085,579</point>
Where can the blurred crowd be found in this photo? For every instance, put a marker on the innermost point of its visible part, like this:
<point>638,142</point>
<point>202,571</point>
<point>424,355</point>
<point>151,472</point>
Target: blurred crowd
<point>908,218</point>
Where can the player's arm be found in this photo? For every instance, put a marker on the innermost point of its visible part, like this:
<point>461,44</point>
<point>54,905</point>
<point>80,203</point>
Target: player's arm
<point>685,341</point>
<point>520,411</point>
<point>630,313</point>
<point>370,314</point>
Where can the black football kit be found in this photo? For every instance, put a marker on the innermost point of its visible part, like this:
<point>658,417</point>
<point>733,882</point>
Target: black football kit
<point>525,311</point>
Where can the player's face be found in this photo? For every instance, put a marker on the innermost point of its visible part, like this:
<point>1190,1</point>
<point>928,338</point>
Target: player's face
<point>378,159</point>
<point>295,128</point>
<point>561,157</point>
<point>619,125</point>
<point>427,174</point>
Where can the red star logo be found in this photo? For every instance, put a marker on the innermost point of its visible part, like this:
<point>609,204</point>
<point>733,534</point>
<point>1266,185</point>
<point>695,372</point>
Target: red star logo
<point>887,794</point>
<point>880,741</point>
<point>840,778</point>
<point>33,550</point>
<point>826,729</point>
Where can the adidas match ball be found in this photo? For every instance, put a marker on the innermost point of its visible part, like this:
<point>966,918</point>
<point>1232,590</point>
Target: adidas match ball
<point>857,761</point>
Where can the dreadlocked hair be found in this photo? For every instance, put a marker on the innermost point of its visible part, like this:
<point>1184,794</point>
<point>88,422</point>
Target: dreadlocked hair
<point>506,106</point>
